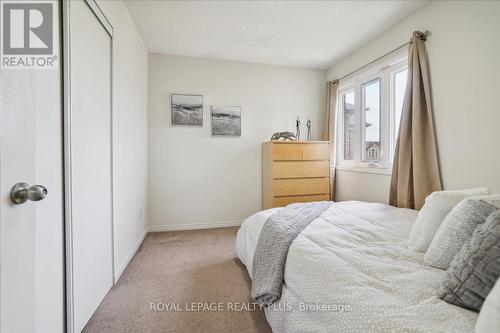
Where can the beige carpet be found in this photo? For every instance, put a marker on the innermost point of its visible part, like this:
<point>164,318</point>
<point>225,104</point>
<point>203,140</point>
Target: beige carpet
<point>180,267</point>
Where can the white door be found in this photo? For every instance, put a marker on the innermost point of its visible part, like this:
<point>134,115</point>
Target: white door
<point>31,233</point>
<point>89,200</point>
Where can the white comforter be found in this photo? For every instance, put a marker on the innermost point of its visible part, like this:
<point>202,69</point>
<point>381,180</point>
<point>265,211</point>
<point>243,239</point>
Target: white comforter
<point>354,262</point>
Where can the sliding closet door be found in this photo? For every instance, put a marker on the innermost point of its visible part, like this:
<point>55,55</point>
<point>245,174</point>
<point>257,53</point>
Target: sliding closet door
<point>89,209</point>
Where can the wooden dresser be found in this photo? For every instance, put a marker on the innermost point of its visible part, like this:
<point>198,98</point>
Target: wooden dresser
<point>295,172</point>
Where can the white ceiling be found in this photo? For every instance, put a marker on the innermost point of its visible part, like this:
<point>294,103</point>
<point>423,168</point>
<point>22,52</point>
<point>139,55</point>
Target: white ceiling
<point>313,34</point>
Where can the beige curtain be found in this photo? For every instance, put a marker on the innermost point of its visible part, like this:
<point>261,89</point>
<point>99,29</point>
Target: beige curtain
<point>329,130</point>
<point>415,172</point>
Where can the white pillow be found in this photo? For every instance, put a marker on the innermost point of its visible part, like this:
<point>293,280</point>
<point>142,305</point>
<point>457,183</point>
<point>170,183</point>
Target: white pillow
<point>437,206</point>
<point>489,316</point>
<point>493,199</point>
<point>455,230</point>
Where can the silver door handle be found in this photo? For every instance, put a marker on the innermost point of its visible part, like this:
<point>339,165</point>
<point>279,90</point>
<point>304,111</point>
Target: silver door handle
<point>22,192</point>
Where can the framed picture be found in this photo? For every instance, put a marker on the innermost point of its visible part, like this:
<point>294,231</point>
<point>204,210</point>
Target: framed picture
<point>186,109</point>
<point>226,120</point>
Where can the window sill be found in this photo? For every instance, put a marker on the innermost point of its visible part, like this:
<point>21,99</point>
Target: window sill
<point>365,169</point>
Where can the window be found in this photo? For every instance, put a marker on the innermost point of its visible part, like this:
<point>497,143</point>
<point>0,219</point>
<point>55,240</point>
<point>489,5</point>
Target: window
<point>370,123</point>
<point>399,93</point>
<point>370,108</point>
<point>349,125</point>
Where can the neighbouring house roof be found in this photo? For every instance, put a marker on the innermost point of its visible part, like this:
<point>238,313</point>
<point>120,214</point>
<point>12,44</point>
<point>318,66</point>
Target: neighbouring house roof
<point>373,144</point>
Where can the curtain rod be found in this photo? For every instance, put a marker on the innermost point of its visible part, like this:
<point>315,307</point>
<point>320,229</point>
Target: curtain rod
<point>426,33</point>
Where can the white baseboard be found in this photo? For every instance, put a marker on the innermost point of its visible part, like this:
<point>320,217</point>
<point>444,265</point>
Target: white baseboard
<point>193,226</point>
<point>124,265</point>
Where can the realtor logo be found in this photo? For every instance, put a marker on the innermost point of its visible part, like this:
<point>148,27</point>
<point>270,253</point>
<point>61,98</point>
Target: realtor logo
<point>27,35</point>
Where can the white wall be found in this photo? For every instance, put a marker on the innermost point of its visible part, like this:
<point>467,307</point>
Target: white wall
<point>463,52</point>
<point>196,180</point>
<point>130,84</point>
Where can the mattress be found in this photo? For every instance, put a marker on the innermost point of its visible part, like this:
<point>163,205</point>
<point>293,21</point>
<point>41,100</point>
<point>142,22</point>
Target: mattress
<point>351,270</point>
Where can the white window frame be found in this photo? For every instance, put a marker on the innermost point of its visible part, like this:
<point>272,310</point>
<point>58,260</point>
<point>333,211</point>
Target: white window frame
<point>384,70</point>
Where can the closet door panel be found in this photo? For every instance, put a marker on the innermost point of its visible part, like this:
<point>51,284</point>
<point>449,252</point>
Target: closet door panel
<point>90,161</point>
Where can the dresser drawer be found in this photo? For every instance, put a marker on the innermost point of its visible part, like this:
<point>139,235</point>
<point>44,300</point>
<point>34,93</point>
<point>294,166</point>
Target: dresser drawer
<point>301,186</point>
<point>301,151</point>
<point>301,169</point>
<point>283,201</point>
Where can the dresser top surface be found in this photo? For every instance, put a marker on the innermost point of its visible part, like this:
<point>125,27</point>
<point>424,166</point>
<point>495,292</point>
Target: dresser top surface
<point>296,142</point>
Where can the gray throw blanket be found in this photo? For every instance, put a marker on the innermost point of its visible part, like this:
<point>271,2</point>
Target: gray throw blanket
<point>278,233</point>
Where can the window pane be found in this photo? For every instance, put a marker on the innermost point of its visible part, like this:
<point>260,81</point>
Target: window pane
<point>399,94</point>
<point>371,108</point>
<point>349,125</point>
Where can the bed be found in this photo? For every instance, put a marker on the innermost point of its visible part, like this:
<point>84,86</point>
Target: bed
<point>350,270</point>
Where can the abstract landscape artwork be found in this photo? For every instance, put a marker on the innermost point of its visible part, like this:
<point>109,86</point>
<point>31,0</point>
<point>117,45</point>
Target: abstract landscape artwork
<point>226,120</point>
<point>187,109</point>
